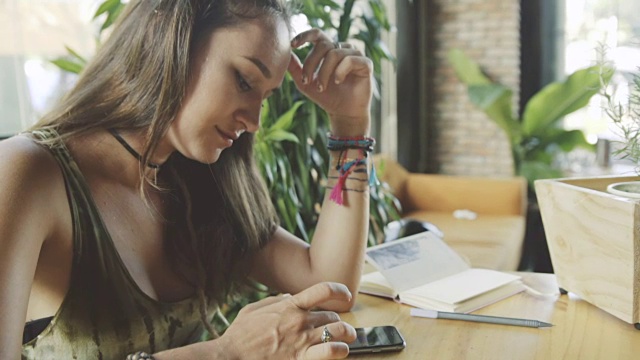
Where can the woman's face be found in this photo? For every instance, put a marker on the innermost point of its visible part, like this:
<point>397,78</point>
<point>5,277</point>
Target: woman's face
<point>233,71</point>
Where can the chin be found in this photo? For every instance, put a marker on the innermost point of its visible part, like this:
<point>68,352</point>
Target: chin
<point>203,157</point>
<point>212,158</point>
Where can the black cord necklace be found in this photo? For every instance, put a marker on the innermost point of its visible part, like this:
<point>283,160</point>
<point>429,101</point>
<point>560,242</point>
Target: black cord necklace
<point>131,150</point>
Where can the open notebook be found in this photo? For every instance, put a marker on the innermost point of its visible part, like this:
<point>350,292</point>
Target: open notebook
<point>423,271</point>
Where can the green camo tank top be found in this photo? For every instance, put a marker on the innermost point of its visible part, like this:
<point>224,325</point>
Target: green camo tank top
<point>105,315</point>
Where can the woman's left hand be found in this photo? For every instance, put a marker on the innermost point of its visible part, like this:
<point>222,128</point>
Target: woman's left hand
<point>336,77</point>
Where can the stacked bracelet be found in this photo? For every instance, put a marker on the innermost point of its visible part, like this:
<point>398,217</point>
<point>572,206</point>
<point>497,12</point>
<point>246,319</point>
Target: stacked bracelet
<point>140,355</point>
<point>344,169</point>
<point>346,166</point>
<point>351,142</point>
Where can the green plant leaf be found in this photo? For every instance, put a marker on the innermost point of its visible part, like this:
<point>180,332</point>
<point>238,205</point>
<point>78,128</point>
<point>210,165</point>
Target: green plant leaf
<point>495,101</point>
<point>535,170</point>
<point>486,95</point>
<point>112,17</point>
<point>380,14</point>
<point>302,227</point>
<point>542,156</point>
<point>76,56</point>
<point>264,112</point>
<point>264,155</point>
<point>312,119</point>
<point>285,121</point>
<point>331,4</point>
<point>466,69</point>
<point>277,135</point>
<point>282,208</point>
<point>107,6</point>
<point>68,65</point>
<point>345,20</point>
<point>558,99</point>
<point>568,140</point>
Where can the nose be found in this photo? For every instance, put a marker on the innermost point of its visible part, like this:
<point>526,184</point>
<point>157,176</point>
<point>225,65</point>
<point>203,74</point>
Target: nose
<point>250,118</point>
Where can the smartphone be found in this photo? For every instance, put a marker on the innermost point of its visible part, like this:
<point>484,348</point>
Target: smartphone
<point>377,339</point>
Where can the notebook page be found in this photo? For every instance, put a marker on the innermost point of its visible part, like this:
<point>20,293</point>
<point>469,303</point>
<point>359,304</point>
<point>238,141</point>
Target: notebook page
<point>463,286</point>
<point>415,260</point>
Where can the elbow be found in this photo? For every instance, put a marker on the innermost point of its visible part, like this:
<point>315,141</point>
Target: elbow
<point>347,306</point>
<point>340,306</point>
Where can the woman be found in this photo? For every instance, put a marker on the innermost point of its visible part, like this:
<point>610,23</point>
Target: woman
<point>134,208</point>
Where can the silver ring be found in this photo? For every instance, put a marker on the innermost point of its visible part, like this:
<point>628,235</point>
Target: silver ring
<point>326,335</point>
<point>337,45</point>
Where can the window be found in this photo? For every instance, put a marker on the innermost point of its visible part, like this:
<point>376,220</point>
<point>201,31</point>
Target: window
<point>593,27</point>
<point>34,32</point>
<point>37,32</point>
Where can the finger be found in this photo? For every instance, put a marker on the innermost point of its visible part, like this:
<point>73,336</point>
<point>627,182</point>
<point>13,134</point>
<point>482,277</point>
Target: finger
<point>321,45</point>
<point>295,69</point>
<point>356,65</point>
<point>314,59</point>
<point>329,65</point>
<point>330,350</point>
<point>265,302</point>
<point>309,36</point>
<point>321,318</point>
<point>320,293</point>
<point>344,45</point>
<point>340,331</point>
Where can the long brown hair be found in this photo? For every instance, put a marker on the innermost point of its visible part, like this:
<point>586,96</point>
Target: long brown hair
<point>220,214</point>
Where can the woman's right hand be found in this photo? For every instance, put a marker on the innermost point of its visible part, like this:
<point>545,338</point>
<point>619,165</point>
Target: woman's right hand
<point>284,327</point>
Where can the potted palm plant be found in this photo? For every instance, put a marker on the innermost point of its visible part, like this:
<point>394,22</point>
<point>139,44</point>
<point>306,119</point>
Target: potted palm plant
<point>536,132</point>
<point>535,136</point>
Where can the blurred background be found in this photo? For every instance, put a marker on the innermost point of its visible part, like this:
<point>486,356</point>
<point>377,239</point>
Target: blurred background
<point>425,120</point>
<point>423,116</point>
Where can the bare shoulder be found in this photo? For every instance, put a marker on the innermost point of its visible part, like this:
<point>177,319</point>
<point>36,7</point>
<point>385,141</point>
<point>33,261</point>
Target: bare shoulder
<point>30,181</point>
<point>31,196</point>
<point>25,164</point>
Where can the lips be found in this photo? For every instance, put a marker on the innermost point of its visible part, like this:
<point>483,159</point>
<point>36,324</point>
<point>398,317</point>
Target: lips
<point>228,137</point>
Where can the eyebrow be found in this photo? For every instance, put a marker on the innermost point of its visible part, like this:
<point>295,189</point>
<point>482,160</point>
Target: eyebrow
<point>263,68</point>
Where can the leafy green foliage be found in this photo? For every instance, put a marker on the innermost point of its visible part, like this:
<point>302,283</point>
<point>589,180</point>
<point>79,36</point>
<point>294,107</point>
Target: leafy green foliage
<point>559,99</point>
<point>534,136</point>
<point>295,172</point>
<point>112,8</point>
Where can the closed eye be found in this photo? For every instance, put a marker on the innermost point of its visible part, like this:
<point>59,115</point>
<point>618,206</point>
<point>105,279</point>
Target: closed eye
<point>243,85</point>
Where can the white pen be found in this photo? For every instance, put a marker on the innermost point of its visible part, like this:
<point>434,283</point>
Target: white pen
<point>433,314</point>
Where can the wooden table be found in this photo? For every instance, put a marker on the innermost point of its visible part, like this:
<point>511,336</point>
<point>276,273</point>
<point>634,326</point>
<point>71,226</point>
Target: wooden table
<point>580,331</point>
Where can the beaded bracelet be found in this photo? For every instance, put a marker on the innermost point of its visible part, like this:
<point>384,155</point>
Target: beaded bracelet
<point>140,355</point>
<point>350,142</point>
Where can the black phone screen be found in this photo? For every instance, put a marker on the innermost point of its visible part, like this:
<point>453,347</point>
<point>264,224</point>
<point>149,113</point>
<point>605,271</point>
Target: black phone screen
<point>377,339</point>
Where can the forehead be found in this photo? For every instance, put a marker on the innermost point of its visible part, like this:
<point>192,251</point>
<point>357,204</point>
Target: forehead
<point>266,39</point>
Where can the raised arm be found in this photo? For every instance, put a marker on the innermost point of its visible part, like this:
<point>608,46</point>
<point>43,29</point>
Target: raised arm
<point>343,88</point>
<point>26,219</point>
